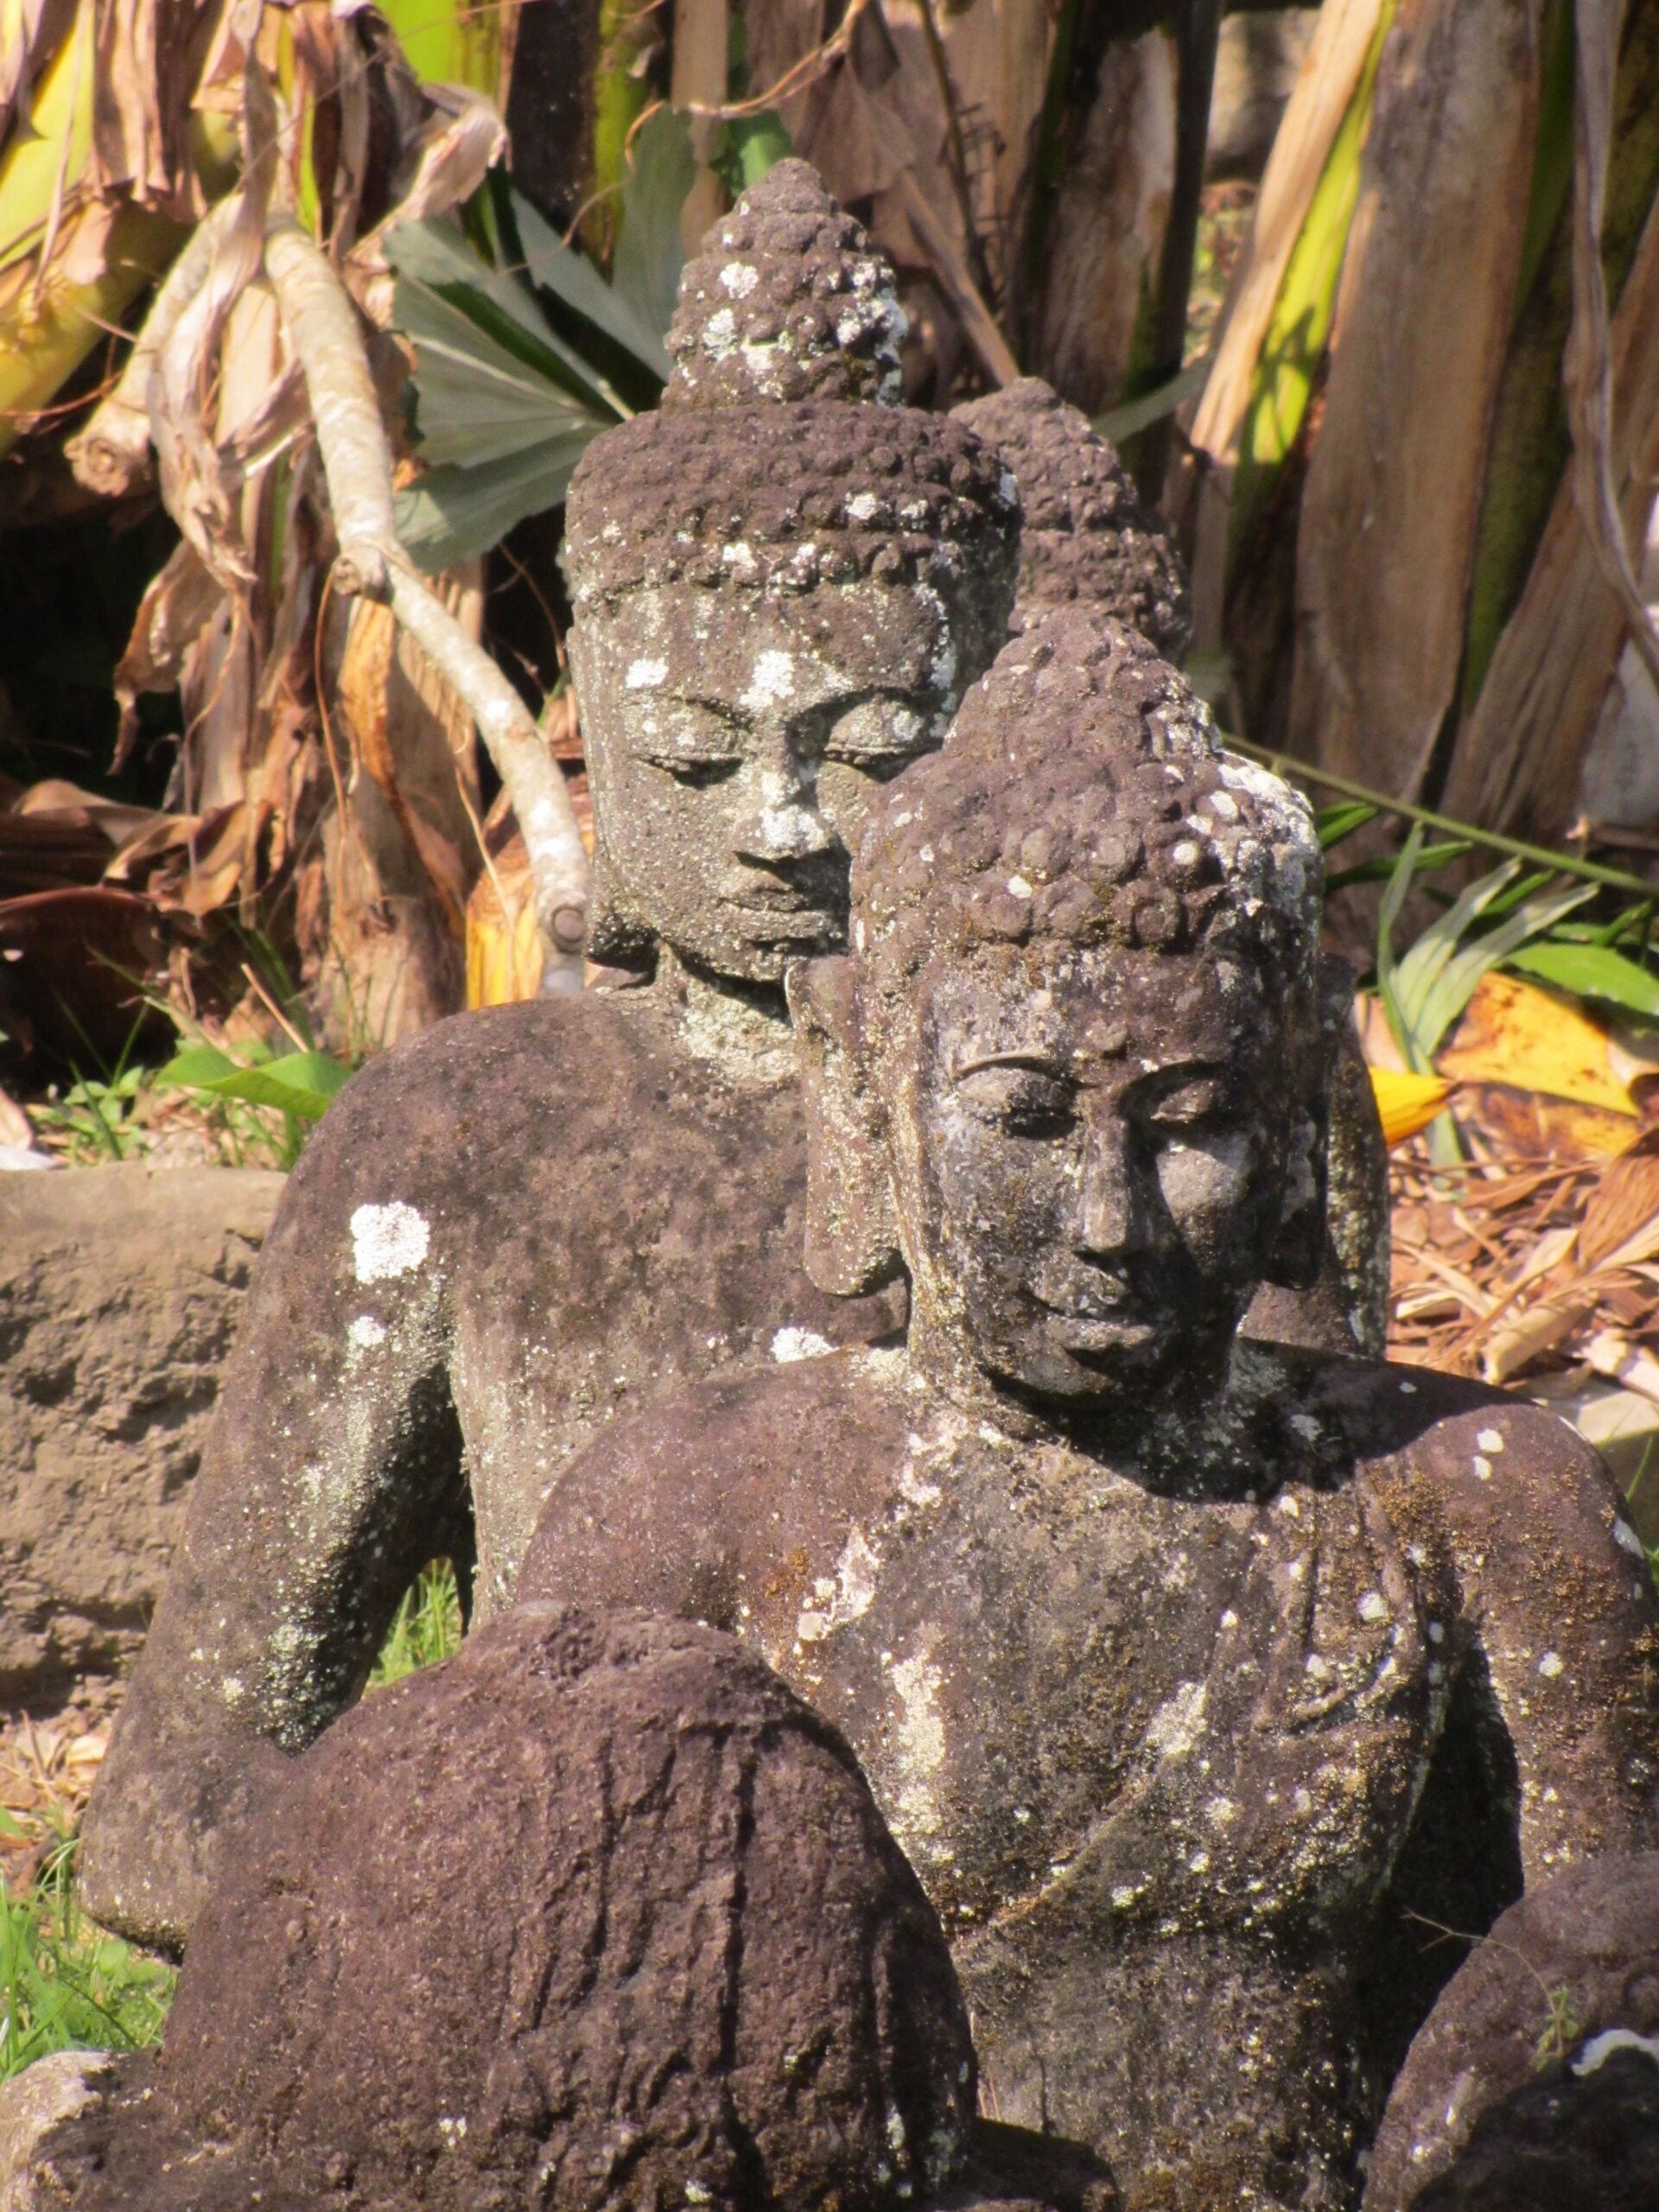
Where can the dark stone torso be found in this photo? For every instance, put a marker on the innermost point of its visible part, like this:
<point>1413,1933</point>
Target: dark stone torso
<point>519,1224</point>
<point>1157,1759</point>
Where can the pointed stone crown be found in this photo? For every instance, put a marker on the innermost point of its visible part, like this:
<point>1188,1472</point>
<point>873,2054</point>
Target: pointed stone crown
<point>1083,795</point>
<point>786,300</point>
<point>768,466</point>
<point>1087,536</point>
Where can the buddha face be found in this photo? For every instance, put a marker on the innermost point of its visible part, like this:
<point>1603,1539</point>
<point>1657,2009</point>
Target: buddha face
<point>733,741</point>
<point>1090,1149</point>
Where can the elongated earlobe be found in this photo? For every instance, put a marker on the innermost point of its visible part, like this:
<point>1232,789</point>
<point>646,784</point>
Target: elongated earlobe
<point>852,1237</point>
<point>1297,1253</point>
<point>618,935</point>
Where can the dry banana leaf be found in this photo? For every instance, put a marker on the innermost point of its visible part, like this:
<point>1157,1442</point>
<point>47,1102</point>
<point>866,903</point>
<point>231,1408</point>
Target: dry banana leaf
<point>1513,1033</point>
<point>1391,504</point>
<point>1519,754</point>
<point>1324,90</point>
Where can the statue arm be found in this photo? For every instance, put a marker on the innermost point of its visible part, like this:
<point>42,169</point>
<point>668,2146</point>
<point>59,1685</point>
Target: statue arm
<point>1559,1598</point>
<point>332,1473</point>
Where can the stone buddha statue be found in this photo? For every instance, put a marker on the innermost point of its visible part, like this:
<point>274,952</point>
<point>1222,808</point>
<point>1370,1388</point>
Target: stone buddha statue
<point>1189,1671</point>
<point>1087,538</point>
<point>511,1228</point>
<point>1086,535</point>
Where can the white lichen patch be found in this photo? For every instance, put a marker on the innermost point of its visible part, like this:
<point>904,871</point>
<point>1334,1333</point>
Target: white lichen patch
<point>740,278</point>
<point>646,675</point>
<point>772,681</point>
<point>792,1344</point>
<point>1551,1665</point>
<point>366,1333</point>
<point>1490,1440</point>
<point>844,1597</point>
<point>1173,1729</point>
<point>919,1741</point>
<point>1600,2048</point>
<point>388,1241</point>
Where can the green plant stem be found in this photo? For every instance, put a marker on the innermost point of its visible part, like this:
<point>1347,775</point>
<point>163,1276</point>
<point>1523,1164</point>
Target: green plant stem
<point>1284,764</point>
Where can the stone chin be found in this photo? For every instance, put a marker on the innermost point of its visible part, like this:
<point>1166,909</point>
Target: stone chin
<point>1083,1362</point>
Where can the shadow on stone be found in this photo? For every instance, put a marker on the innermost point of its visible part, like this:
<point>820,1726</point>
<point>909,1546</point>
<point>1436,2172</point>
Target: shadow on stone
<point>597,1913</point>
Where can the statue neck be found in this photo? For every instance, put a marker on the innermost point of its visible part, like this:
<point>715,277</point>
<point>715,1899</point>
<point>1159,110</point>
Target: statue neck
<point>743,1027</point>
<point>1176,1436</point>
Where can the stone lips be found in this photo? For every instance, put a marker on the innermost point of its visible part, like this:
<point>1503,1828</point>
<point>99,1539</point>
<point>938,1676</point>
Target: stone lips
<point>1151,835</point>
<point>1087,535</point>
<point>787,497</point>
<point>787,300</point>
<point>598,1913</point>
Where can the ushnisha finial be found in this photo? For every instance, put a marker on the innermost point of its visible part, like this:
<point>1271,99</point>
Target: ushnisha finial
<point>787,300</point>
<point>1086,534</point>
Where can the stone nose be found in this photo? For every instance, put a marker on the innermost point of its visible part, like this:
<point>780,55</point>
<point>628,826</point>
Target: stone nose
<point>779,819</point>
<point>1110,1216</point>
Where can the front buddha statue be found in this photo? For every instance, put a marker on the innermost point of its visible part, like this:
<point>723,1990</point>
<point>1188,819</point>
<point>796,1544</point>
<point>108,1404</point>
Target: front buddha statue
<point>1086,538</point>
<point>516,1224</point>
<point>1188,1670</point>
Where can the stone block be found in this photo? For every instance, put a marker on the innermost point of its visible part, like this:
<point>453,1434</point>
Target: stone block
<point>119,1292</point>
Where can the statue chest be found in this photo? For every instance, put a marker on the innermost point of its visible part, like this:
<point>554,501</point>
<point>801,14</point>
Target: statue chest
<point>1071,1695</point>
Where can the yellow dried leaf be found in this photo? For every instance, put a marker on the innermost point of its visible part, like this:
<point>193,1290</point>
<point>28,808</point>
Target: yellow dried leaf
<point>1406,1102</point>
<point>504,948</point>
<point>1514,1033</point>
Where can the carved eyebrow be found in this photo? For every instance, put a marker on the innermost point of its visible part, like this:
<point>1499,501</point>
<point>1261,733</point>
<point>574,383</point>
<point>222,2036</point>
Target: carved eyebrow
<point>1019,1055</point>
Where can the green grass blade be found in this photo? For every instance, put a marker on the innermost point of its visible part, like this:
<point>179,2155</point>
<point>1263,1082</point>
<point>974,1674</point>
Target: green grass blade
<point>1592,971</point>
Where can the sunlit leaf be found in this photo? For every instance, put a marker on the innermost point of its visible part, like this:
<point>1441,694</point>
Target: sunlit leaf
<point>453,513</point>
<point>1434,993</point>
<point>754,145</point>
<point>650,254</point>
<point>435,254</point>
<point>476,401</point>
<point>300,1082</point>
<point>574,279</point>
<point>1340,821</point>
<point>1513,1033</point>
<point>1592,971</point>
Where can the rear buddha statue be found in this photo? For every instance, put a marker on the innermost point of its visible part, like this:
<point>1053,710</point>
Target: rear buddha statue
<point>517,1224</point>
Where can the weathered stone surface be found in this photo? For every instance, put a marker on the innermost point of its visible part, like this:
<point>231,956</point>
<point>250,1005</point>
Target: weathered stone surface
<point>1187,1670</point>
<point>69,2085</point>
<point>1347,1308</point>
<point>1535,2085</point>
<point>1085,537</point>
<point>519,1222</point>
<point>775,607</point>
<point>786,300</point>
<point>1085,534</point>
<point>597,1913</point>
<point>119,1293</point>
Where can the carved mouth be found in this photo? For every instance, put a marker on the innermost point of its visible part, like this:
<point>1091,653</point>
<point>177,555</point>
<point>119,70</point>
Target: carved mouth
<point>787,916</point>
<point>1085,1334</point>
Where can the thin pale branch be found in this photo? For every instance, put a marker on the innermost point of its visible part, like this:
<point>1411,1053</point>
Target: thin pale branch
<point>323,329</point>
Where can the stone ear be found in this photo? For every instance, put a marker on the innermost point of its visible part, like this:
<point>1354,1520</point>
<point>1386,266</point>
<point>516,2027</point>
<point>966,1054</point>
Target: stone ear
<point>852,1235</point>
<point>1297,1252</point>
<point>617,935</point>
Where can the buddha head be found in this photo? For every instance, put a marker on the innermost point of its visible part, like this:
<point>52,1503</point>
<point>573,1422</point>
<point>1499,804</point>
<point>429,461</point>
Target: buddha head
<point>1073,1068</point>
<point>781,587</point>
<point>1086,535</point>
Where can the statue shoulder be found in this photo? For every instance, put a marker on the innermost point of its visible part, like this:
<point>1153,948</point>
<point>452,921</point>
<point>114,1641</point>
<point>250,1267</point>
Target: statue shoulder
<point>779,1407</point>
